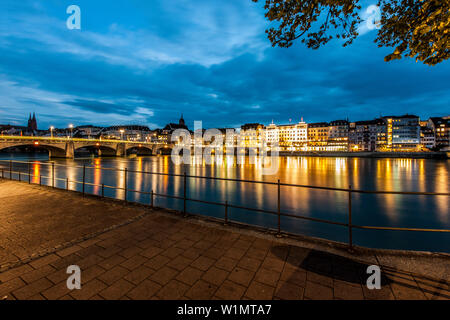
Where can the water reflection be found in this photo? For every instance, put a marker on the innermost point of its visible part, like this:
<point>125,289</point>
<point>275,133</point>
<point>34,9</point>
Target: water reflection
<point>442,202</point>
<point>73,174</point>
<point>97,175</point>
<point>360,173</point>
<point>36,172</point>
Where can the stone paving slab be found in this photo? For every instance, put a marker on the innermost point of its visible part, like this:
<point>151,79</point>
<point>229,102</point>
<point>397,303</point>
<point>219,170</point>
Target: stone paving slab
<point>166,256</point>
<point>35,219</point>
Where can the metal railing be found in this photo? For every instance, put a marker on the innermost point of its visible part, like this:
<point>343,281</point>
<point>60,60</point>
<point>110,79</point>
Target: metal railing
<point>7,173</point>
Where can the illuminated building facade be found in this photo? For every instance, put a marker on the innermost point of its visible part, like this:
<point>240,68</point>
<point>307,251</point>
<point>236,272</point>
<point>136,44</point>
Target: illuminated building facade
<point>128,132</point>
<point>87,132</point>
<point>363,135</point>
<point>399,133</point>
<point>251,135</point>
<point>229,136</point>
<point>272,135</point>
<point>290,137</point>
<point>230,140</point>
<point>441,129</point>
<point>338,136</point>
<point>427,138</point>
<point>318,136</point>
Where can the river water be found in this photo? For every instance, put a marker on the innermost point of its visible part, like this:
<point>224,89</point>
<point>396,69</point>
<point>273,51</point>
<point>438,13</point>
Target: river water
<point>361,173</point>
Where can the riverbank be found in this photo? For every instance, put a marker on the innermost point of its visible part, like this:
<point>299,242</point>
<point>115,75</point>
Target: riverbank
<point>410,155</point>
<point>161,254</point>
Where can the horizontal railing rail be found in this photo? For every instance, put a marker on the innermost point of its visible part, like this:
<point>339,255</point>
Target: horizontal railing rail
<point>10,172</point>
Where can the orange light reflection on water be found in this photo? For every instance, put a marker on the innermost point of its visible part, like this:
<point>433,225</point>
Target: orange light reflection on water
<point>36,173</point>
<point>366,174</point>
<point>97,175</point>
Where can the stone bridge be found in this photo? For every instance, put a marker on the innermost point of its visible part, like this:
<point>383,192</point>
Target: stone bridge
<point>66,147</point>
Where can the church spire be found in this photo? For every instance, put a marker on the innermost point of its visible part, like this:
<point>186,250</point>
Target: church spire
<point>181,122</point>
<point>32,122</point>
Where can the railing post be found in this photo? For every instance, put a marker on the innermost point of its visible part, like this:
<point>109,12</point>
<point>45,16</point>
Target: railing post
<point>103,190</point>
<point>29,173</point>
<point>126,184</point>
<point>40,180</point>
<point>278,235</point>
<point>3,174</point>
<point>184,194</point>
<point>350,236</point>
<point>20,178</point>
<point>226,213</point>
<point>10,169</point>
<point>84,177</point>
<point>53,174</point>
<point>151,199</point>
<point>67,183</point>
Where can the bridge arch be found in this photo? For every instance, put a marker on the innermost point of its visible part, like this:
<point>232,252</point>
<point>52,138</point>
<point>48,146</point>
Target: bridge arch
<point>53,151</point>
<point>163,150</point>
<point>140,150</point>
<point>100,149</point>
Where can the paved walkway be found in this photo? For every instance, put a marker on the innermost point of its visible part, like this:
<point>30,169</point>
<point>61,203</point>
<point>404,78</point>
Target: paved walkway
<point>34,219</point>
<point>165,256</point>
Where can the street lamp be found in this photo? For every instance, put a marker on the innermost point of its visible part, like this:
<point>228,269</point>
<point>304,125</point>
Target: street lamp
<point>71,130</point>
<point>51,131</point>
<point>121,134</point>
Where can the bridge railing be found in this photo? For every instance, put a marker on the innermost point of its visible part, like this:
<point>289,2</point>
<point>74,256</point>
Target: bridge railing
<point>8,170</point>
<point>66,139</point>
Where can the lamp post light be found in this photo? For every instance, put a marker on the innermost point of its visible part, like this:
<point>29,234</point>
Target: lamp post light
<point>121,134</point>
<point>71,130</point>
<point>51,131</point>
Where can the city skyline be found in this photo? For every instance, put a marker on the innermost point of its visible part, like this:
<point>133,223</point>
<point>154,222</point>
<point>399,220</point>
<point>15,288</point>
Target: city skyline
<point>405,133</point>
<point>290,121</point>
<point>148,63</point>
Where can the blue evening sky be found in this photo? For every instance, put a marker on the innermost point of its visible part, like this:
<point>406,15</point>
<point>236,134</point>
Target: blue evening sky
<point>148,61</point>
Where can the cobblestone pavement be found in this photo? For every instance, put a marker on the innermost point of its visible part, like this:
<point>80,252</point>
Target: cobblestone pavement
<point>164,256</point>
<point>35,219</point>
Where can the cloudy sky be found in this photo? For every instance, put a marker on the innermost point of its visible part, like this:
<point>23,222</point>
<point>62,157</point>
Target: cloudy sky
<point>146,62</point>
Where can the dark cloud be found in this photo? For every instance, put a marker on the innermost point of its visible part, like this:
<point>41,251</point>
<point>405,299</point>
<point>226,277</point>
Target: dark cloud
<point>251,85</point>
<point>100,107</point>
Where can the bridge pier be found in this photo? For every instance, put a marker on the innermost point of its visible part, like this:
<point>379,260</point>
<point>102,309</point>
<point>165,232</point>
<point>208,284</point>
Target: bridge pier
<point>56,153</point>
<point>106,152</point>
<point>120,150</point>
<point>70,150</point>
<point>67,153</point>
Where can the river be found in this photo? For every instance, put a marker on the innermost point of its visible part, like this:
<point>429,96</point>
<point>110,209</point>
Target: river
<point>425,175</point>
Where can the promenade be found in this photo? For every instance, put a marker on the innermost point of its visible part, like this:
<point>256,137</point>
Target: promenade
<point>134,252</point>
